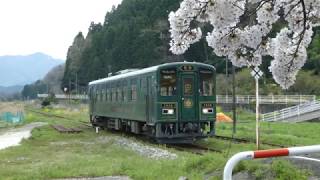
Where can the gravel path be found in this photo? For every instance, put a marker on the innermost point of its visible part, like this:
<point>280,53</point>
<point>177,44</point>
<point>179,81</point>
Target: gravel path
<point>13,137</point>
<point>143,150</point>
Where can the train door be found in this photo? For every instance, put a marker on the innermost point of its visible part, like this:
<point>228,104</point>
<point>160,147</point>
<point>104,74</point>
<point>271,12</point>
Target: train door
<point>149,100</point>
<point>188,100</point>
<point>94,99</point>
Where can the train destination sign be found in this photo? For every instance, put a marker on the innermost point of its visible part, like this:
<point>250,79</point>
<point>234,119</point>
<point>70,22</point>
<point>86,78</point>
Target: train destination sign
<point>187,68</point>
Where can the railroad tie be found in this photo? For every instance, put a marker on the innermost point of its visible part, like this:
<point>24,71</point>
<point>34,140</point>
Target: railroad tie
<point>63,129</point>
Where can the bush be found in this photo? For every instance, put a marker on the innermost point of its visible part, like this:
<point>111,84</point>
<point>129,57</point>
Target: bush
<point>45,103</point>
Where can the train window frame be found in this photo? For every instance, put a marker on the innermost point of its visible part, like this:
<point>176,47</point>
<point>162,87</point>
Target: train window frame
<point>171,90</point>
<point>101,95</point>
<point>133,90</point>
<point>114,95</point>
<point>123,90</point>
<point>107,97</point>
<point>205,90</point>
<point>98,93</point>
<point>105,92</point>
<point>119,94</point>
<point>188,90</point>
<point>95,92</point>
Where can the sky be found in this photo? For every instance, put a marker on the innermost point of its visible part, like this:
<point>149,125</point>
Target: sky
<point>47,26</point>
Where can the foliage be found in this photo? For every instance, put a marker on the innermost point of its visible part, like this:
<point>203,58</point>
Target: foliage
<point>242,32</point>
<point>31,91</point>
<point>313,53</point>
<point>48,100</point>
<point>133,35</point>
<point>307,82</point>
<point>245,84</point>
<point>136,35</point>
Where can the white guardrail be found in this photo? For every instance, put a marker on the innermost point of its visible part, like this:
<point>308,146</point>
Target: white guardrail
<point>269,99</point>
<point>291,111</point>
<point>225,99</point>
<point>247,155</point>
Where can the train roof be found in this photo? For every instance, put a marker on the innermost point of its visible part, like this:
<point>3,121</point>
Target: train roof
<point>144,71</point>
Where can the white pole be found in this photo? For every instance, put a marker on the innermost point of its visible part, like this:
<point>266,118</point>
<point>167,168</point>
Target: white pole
<point>233,161</point>
<point>293,152</point>
<point>257,113</point>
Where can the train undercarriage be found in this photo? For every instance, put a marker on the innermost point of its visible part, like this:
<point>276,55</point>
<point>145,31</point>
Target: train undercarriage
<point>161,132</point>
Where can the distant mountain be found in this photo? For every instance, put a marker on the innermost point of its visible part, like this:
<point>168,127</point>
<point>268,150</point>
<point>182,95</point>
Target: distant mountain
<point>21,70</point>
<point>10,93</point>
<point>10,90</point>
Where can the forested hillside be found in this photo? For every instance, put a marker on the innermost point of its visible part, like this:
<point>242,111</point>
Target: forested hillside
<point>135,35</point>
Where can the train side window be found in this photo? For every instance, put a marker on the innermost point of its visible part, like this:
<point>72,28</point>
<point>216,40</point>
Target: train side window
<point>90,92</point>
<point>107,93</point>
<point>119,94</point>
<point>206,83</point>
<point>94,94</point>
<point>110,94</point>
<point>124,98</point>
<point>114,94</point>
<point>133,92</point>
<point>97,94</point>
<point>101,95</point>
<point>168,82</point>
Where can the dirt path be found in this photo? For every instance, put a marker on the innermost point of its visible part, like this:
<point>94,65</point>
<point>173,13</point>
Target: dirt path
<point>13,137</point>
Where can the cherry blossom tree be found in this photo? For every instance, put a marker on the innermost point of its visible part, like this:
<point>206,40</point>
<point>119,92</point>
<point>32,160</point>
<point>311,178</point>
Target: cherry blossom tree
<point>242,31</point>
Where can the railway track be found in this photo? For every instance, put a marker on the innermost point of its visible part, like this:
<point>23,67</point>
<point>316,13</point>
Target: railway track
<point>47,114</point>
<point>193,148</point>
<point>243,140</point>
<point>59,116</point>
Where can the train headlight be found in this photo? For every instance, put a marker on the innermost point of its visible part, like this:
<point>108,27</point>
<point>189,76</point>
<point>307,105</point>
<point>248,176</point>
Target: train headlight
<point>207,110</point>
<point>168,111</point>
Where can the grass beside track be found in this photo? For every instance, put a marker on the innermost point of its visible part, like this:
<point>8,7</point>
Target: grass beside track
<point>49,154</point>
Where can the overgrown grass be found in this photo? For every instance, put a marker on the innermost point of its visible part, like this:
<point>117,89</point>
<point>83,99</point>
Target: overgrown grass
<point>49,154</point>
<point>287,134</point>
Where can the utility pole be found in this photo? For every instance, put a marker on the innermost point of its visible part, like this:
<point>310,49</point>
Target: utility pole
<point>227,79</point>
<point>234,99</point>
<point>257,73</point>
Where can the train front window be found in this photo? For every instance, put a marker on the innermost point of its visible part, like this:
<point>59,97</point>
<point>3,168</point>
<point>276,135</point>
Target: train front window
<point>187,86</point>
<point>206,83</point>
<point>168,82</point>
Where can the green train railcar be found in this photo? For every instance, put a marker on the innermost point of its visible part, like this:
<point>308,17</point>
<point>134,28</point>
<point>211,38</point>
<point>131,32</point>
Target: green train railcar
<point>172,103</point>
